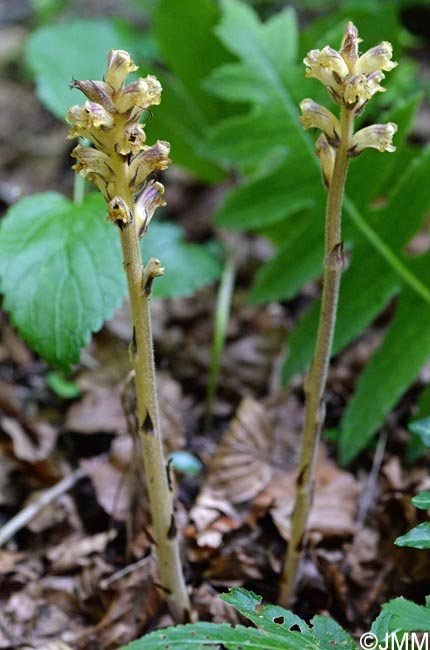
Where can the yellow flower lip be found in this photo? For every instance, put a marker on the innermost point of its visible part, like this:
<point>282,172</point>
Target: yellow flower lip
<point>377,58</point>
<point>376,136</point>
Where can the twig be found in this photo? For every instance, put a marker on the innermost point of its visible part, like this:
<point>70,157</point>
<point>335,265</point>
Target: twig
<point>125,571</point>
<point>23,517</point>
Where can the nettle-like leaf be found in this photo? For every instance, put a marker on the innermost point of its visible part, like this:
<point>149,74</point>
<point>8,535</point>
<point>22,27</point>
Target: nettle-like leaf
<point>274,631</point>
<point>286,202</point>
<point>418,537</point>
<point>61,270</point>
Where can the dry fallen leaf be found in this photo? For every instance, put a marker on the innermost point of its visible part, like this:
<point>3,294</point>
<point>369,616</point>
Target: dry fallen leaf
<point>241,467</point>
<point>74,551</point>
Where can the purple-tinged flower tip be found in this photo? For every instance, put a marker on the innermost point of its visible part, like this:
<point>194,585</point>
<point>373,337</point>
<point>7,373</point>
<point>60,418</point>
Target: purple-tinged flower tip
<point>377,58</point>
<point>376,136</point>
<point>148,201</point>
<point>316,116</point>
<point>349,47</point>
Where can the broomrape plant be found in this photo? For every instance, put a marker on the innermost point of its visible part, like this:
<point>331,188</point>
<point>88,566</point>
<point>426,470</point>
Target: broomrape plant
<point>119,164</point>
<point>351,81</point>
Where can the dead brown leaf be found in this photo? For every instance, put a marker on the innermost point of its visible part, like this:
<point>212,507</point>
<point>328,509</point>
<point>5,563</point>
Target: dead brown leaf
<point>241,467</point>
<point>31,441</point>
<point>75,550</point>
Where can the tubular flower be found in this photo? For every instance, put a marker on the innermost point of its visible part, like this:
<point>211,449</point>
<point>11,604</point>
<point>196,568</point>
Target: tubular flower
<point>376,136</point>
<point>110,120</point>
<point>316,116</point>
<point>327,155</point>
<point>348,76</point>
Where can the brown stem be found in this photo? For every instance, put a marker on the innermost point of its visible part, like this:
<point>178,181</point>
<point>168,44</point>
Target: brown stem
<point>156,469</point>
<point>316,379</point>
<point>158,482</point>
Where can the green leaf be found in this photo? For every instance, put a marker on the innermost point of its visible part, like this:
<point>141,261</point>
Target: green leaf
<point>179,120</point>
<point>407,616</point>
<point>226,144</point>
<point>421,428</point>
<point>273,632</point>
<point>187,267</point>
<point>268,199</point>
<point>61,273</point>
<point>418,537</point>
<point>61,386</point>
<point>392,368</point>
<point>422,500</point>
<point>57,54</point>
<point>184,33</point>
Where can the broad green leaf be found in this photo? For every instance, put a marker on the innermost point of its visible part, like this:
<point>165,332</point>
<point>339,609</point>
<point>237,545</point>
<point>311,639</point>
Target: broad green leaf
<point>179,120</point>
<point>187,267</point>
<point>392,368</point>
<point>422,500</point>
<point>184,33</point>
<point>199,636</point>
<point>273,633</point>
<point>268,199</point>
<point>61,273</point>
<point>271,618</point>
<point>296,262</point>
<point>407,616</point>
<point>331,634</point>
<point>57,54</point>
<point>236,82</point>
<point>226,144</point>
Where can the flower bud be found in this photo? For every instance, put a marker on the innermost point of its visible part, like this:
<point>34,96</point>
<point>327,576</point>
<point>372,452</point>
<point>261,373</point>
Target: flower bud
<point>349,47</point>
<point>120,64</point>
<point>376,136</point>
<point>316,116</point>
<point>327,155</point>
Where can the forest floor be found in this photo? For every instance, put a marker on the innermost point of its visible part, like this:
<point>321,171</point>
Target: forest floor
<point>82,574</point>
